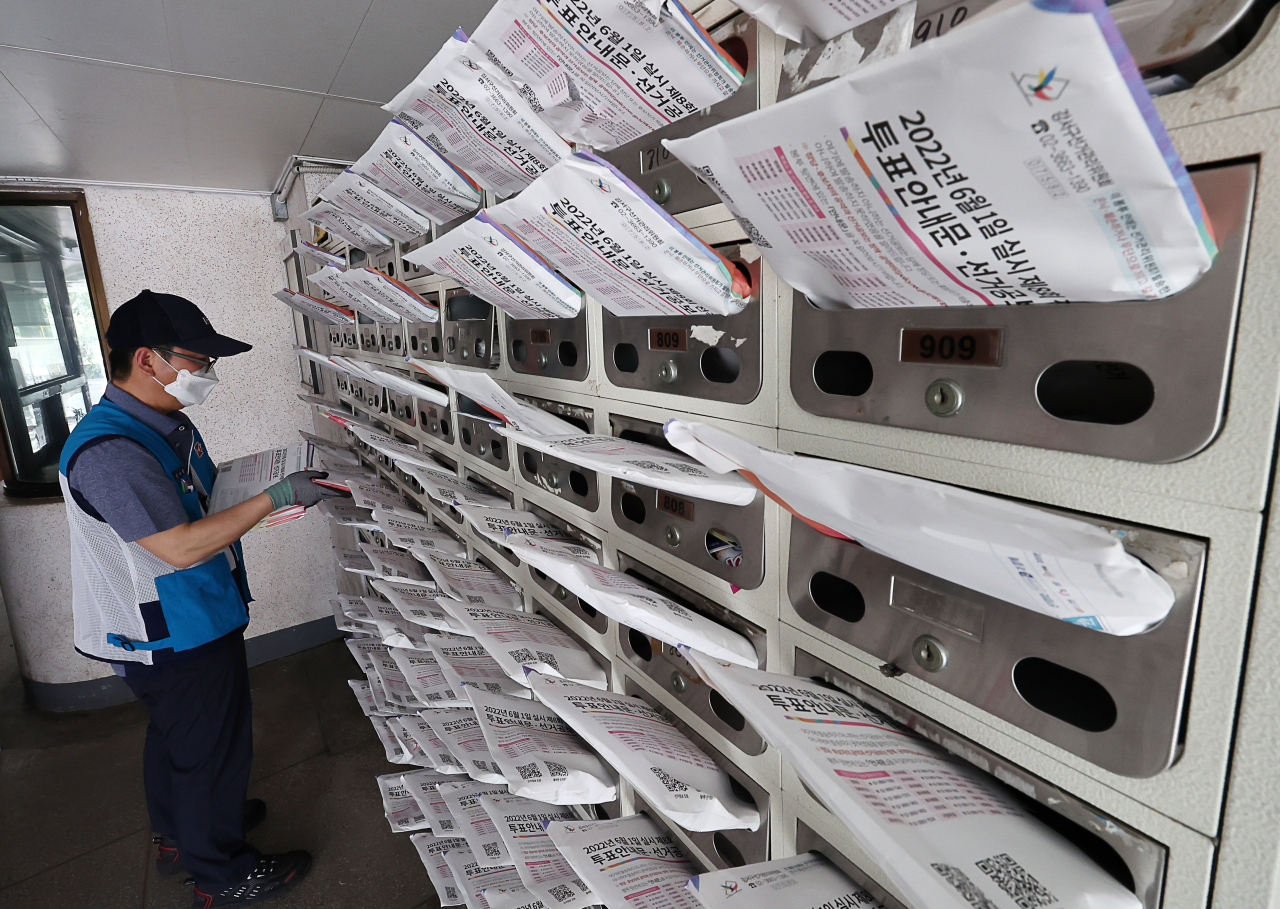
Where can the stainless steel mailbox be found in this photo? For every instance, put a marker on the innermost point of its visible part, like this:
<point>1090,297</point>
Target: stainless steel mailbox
<point>1115,701</point>
<point>477,435</point>
<point>559,477</point>
<point>469,331</point>
<point>595,619</point>
<point>1133,858</point>
<point>423,338</point>
<point>1141,381</point>
<point>676,675</point>
<point>715,357</point>
<point>693,530</point>
<point>658,172</point>
<point>555,348</point>
<point>727,848</point>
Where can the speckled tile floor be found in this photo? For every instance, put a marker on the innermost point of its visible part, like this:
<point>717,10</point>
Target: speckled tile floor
<point>73,823</point>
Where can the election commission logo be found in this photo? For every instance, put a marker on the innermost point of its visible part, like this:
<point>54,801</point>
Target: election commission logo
<point>730,887</point>
<point>491,240</point>
<point>467,61</point>
<point>600,185</point>
<point>1042,86</point>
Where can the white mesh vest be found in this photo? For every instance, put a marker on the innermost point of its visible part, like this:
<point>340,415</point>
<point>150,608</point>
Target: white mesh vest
<point>109,579</point>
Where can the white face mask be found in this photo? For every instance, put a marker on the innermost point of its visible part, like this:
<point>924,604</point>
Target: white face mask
<point>190,388</point>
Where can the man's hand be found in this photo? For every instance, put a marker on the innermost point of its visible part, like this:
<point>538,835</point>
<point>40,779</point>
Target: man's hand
<point>188,544</point>
<point>298,489</point>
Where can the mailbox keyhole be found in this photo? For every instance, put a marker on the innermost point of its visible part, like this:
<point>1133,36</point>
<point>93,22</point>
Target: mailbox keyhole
<point>495,448</point>
<point>466,436</point>
<point>530,463</point>
<point>1071,696</point>
<point>567,352</point>
<point>578,483</point>
<point>519,350</point>
<point>843,372</point>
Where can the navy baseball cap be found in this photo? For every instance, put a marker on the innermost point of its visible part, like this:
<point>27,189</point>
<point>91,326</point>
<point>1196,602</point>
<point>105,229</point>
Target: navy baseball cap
<point>164,320</point>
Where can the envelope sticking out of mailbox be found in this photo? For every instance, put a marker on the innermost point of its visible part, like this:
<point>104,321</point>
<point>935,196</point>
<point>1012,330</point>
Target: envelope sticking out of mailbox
<point>1019,159</point>
<point>1056,565</point>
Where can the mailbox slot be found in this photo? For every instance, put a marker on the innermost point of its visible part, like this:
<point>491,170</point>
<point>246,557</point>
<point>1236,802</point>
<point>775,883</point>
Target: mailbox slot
<point>1115,701</point>
<point>809,841</point>
<point>581,417</point>
<point>555,348</point>
<point>668,667</point>
<point>712,357</point>
<point>1134,859</point>
<point>727,848</point>
<point>1142,380</point>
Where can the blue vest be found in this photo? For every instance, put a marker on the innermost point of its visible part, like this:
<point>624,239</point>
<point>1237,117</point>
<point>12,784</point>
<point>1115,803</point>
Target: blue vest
<point>201,603</point>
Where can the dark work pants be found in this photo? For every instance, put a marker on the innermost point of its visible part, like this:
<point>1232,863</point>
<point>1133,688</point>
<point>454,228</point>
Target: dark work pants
<point>196,761</point>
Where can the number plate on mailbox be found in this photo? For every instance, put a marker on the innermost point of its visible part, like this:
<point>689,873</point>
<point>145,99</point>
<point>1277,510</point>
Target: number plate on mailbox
<point>681,508</point>
<point>668,339</point>
<point>952,346</point>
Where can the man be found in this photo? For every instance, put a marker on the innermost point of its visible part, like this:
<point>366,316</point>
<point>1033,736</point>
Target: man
<point>159,591</point>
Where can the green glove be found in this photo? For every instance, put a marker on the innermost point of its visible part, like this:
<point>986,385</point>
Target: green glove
<point>297,489</point>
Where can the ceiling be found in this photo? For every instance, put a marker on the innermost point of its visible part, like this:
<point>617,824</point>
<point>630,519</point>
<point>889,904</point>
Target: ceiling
<point>209,93</point>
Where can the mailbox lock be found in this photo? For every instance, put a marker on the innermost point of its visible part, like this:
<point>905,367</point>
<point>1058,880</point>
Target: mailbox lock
<point>542,360</point>
<point>667,371</point>
<point>481,448</point>
<point>661,191</point>
<point>929,653</point>
<point>560,593</point>
<point>944,398</point>
<point>678,682</point>
<point>672,534</point>
<point>553,481</point>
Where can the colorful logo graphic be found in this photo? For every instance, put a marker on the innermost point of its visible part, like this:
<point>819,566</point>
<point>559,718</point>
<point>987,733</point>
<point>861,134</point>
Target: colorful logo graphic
<point>467,60</point>
<point>199,450</point>
<point>1046,86</point>
<point>730,887</point>
<point>492,241</point>
<point>600,185</point>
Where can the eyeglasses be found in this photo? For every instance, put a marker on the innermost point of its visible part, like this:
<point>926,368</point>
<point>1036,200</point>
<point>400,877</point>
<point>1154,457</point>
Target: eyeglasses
<point>203,364</point>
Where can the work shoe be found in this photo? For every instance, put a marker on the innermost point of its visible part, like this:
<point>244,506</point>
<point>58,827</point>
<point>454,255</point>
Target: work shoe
<point>169,863</point>
<point>273,876</point>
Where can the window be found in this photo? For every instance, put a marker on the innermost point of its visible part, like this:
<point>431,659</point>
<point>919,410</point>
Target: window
<point>51,347</point>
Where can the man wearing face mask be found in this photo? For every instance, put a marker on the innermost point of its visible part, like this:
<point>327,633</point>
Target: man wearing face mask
<point>159,591</point>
